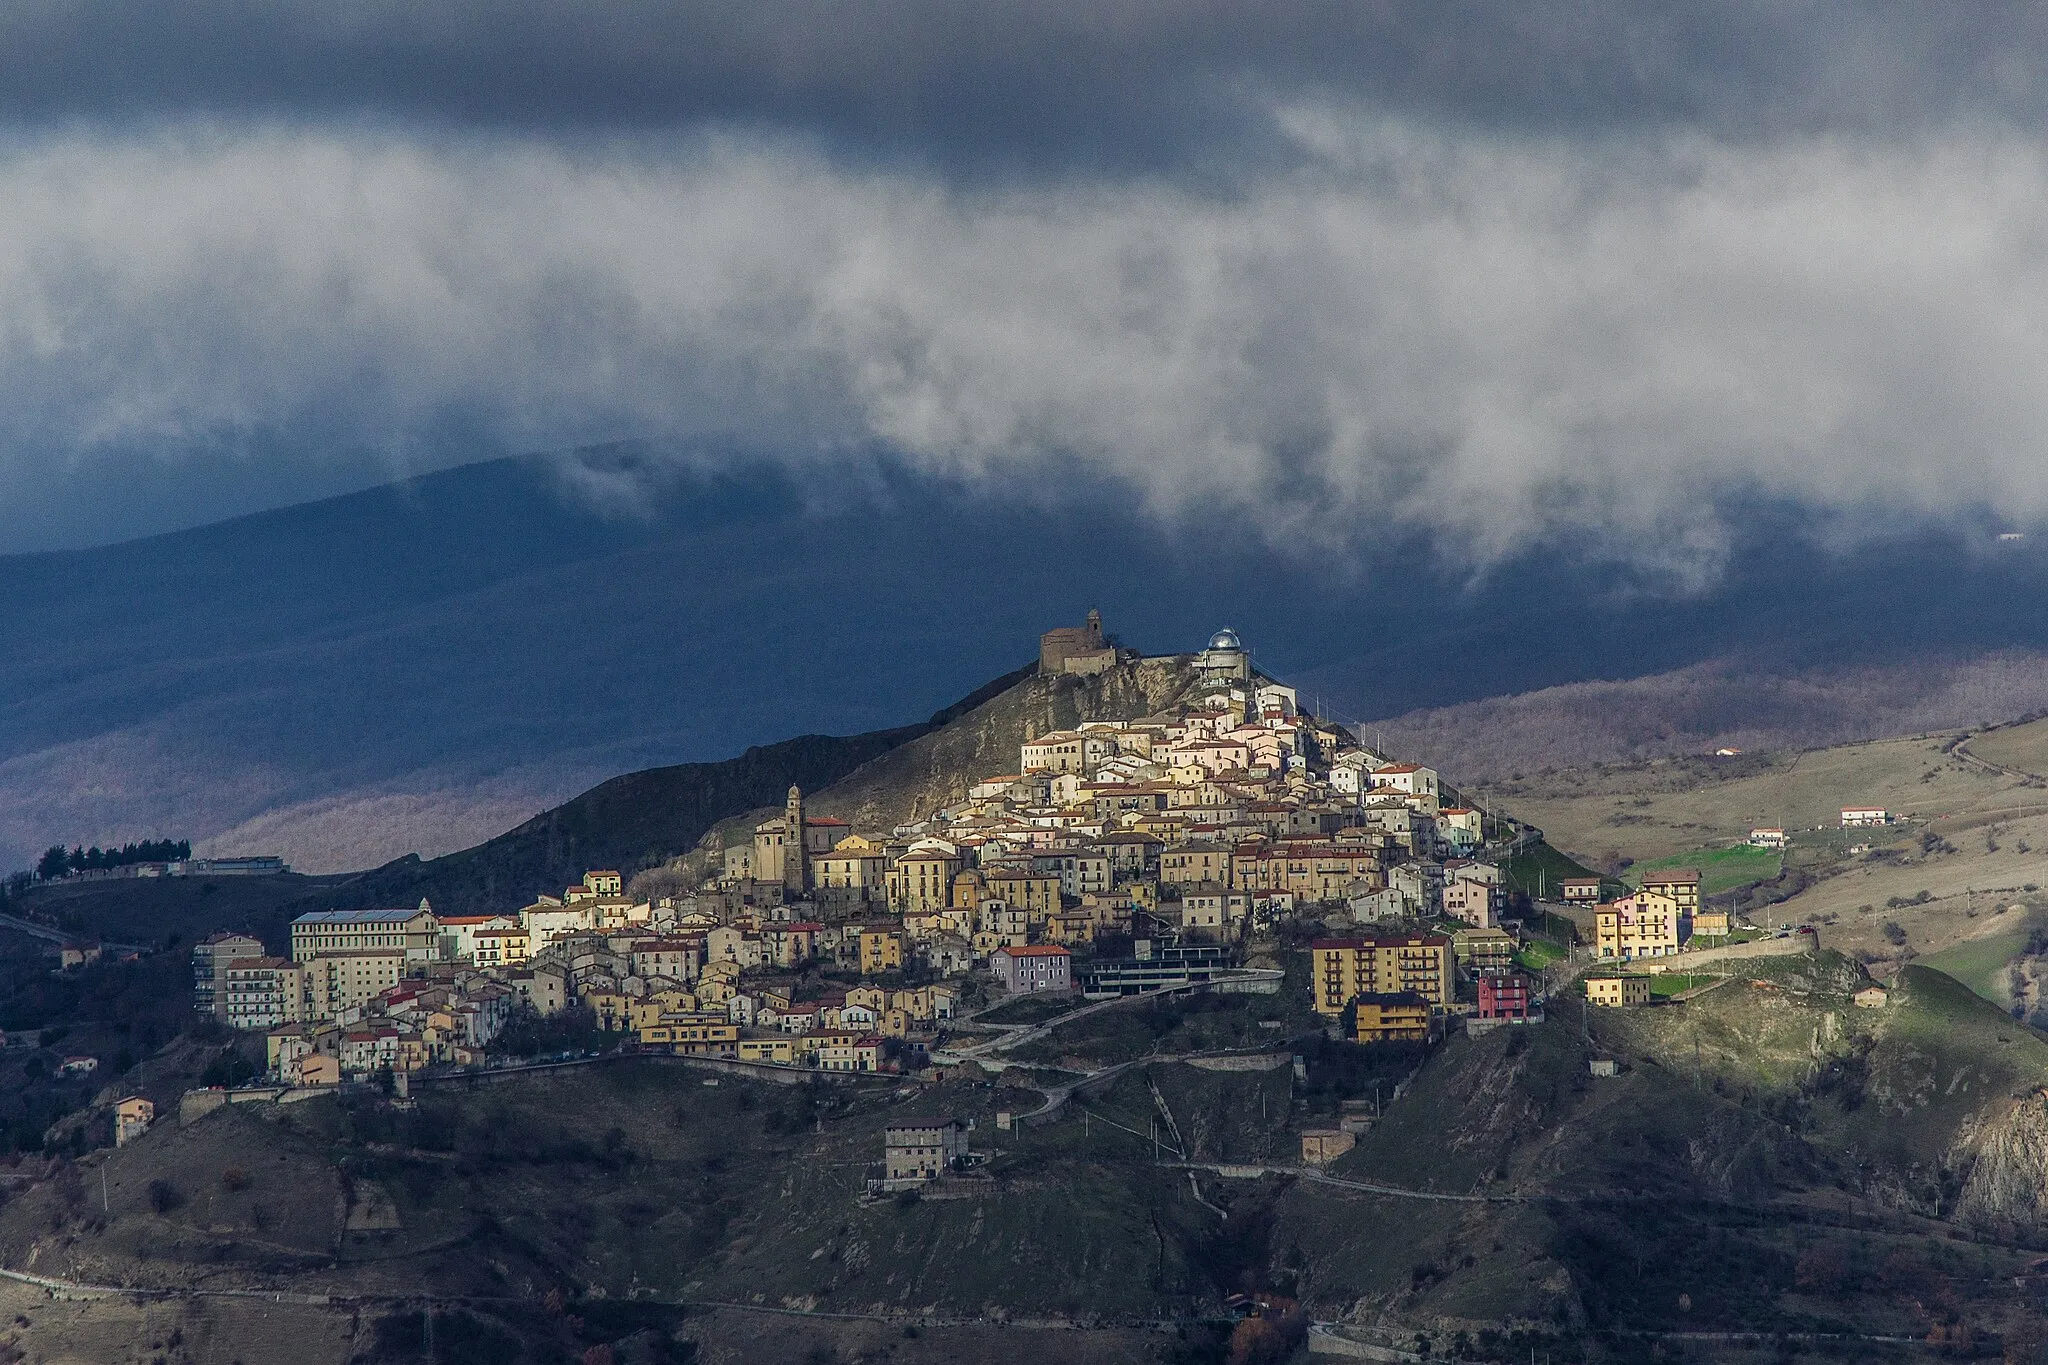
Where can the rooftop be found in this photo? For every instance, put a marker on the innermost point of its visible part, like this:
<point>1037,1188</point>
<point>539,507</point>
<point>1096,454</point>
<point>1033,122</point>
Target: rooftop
<point>355,917</point>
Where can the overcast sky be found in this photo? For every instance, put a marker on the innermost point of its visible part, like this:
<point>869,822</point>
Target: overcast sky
<point>1505,273</point>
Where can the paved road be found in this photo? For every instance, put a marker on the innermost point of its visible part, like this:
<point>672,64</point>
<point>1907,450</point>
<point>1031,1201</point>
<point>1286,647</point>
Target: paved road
<point>49,935</point>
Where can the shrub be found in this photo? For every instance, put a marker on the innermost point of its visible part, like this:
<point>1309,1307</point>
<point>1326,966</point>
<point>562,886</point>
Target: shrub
<point>164,1196</point>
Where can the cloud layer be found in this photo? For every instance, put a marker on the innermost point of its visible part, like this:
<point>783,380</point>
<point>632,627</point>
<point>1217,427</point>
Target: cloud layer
<point>1494,339</point>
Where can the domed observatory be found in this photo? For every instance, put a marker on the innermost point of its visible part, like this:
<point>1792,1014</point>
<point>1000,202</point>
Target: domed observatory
<point>1225,660</point>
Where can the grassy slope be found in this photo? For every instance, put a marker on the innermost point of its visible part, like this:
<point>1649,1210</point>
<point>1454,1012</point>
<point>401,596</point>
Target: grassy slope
<point>1720,869</point>
<point>1981,963</point>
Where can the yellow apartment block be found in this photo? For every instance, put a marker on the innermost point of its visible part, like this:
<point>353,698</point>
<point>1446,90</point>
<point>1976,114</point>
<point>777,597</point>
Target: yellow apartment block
<point>1346,968</point>
<point>1642,925</point>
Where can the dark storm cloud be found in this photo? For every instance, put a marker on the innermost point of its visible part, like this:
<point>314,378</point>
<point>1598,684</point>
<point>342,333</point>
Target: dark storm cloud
<point>1497,273</point>
<point>1051,84</point>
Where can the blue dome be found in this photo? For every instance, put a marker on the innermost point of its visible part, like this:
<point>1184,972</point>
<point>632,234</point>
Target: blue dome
<point>1225,639</point>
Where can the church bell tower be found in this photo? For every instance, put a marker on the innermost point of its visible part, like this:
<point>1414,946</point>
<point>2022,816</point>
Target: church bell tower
<point>795,845</point>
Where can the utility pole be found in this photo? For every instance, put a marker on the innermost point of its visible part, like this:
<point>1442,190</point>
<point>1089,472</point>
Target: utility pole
<point>103,1187</point>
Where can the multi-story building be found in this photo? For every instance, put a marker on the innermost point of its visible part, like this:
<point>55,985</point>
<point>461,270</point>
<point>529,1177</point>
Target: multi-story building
<point>853,871</point>
<point>923,1150</point>
<point>414,934</point>
<point>210,960</point>
<point>1482,950</point>
<point>1391,1017</point>
<point>1580,890</point>
<point>1682,885</point>
<point>1346,968</point>
<point>1195,862</point>
<point>486,940</point>
<point>881,949</point>
<point>1030,970</point>
<point>1643,925</point>
<point>1037,894</point>
<point>1505,996</point>
<point>348,979</point>
<point>922,881</point>
<point>263,992</point>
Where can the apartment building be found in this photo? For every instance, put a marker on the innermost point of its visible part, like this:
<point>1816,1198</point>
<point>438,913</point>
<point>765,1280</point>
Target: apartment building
<point>1643,925</point>
<point>1346,968</point>
<point>263,993</point>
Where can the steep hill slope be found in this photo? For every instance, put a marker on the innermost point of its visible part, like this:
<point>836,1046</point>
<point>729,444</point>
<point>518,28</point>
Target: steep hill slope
<point>936,769</point>
<point>641,818</point>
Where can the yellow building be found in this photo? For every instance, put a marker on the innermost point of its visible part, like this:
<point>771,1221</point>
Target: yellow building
<point>1617,991</point>
<point>1642,925</point>
<point>881,949</point>
<point>1346,968</point>
<point>854,869</point>
<point>922,882</point>
<point>1398,1017</point>
<point>414,933</point>
<point>698,1034</point>
<point>1711,924</point>
<point>779,1049</point>
<point>1037,894</point>
<point>1183,864</point>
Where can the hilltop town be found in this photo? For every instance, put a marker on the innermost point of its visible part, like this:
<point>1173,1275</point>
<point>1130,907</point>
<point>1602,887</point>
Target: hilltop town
<point>1190,848</point>
<point>1122,953</point>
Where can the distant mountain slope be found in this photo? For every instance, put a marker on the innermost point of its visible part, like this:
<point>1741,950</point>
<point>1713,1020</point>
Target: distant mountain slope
<point>418,667</point>
<point>1727,702</point>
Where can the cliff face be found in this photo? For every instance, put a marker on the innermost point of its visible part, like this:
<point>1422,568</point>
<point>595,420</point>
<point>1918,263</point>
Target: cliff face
<point>2007,1183</point>
<point>936,769</point>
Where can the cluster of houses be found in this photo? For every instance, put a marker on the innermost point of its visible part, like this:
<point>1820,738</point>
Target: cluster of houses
<point>1120,855</point>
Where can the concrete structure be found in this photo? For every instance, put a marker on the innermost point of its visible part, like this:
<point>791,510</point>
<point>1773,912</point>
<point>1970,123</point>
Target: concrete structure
<point>1031,970</point>
<point>1768,836</point>
<point>1856,817</point>
<point>1614,992</point>
<point>263,993</point>
<point>1225,660</point>
<point>210,959</point>
<point>921,1150</point>
<point>1319,1146</point>
<point>1871,998</point>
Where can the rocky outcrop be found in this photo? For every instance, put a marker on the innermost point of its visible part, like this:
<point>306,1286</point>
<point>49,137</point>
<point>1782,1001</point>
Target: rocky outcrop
<point>936,769</point>
<point>2007,1160</point>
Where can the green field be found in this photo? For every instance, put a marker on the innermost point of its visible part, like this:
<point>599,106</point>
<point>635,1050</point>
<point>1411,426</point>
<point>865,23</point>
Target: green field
<point>1540,869</point>
<point>1980,963</point>
<point>1675,983</point>
<point>1538,953</point>
<point>1721,869</point>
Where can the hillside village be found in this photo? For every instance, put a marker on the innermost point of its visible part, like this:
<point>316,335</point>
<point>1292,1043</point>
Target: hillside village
<point>1177,850</point>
